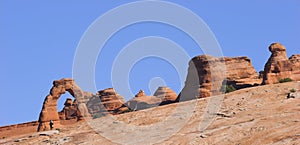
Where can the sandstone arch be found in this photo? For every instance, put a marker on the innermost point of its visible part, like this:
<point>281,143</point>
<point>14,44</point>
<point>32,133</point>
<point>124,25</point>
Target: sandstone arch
<point>49,110</point>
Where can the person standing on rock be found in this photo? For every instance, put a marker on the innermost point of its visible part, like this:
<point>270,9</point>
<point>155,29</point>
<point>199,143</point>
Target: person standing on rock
<point>51,124</point>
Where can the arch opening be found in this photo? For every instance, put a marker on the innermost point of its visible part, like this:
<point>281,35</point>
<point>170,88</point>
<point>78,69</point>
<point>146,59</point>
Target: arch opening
<point>62,100</point>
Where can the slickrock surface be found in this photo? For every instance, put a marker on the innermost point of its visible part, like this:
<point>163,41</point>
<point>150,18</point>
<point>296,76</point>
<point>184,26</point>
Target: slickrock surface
<point>257,115</point>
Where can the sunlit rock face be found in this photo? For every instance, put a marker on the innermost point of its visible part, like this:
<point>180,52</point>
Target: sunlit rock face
<point>279,66</point>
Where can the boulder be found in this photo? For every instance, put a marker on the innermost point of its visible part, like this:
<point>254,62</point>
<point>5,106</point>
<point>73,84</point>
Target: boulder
<point>279,66</point>
<point>293,95</point>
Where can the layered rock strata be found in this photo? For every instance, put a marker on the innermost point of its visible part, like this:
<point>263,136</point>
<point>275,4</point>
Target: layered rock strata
<point>279,66</point>
<point>207,75</point>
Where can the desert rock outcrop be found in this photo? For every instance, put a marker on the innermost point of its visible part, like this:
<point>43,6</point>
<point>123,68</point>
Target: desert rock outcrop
<point>69,111</point>
<point>279,66</point>
<point>260,115</point>
<point>240,72</point>
<point>110,100</point>
<point>142,101</point>
<point>140,94</point>
<point>49,110</point>
<point>206,77</point>
<point>207,74</point>
<point>166,94</point>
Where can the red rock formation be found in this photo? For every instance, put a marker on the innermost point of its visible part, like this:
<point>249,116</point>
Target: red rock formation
<point>17,129</point>
<point>207,74</point>
<point>240,73</point>
<point>109,102</point>
<point>142,101</point>
<point>295,61</point>
<point>16,126</point>
<point>166,94</point>
<point>279,66</point>
<point>140,94</point>
<point>49,110</point>
<point>69,111</point>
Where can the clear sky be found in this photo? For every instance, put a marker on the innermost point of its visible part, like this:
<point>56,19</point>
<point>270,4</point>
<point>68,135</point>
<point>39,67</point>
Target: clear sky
<point>38,41</point>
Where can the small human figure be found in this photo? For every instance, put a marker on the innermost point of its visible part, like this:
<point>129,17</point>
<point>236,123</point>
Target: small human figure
<point>51,124</point>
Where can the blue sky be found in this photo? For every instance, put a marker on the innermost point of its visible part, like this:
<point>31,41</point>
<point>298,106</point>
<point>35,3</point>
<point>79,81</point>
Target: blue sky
<point>38,41</point>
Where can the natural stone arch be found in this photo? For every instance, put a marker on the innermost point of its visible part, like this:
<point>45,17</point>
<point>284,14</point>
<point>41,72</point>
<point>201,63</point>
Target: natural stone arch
<point>49,110</point>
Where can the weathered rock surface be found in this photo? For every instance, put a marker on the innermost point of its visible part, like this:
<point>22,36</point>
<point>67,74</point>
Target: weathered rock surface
<point>240,72</point>
<point>166,94</point>
<point>262,115</point>
<point>279,66</point>
<point>142,101</point>
<point>207,74</point>
<point>48,133</point>
<point>69,111</point>
<point>94,105</point>
<point>295,61</point>
<point>17,129</point>
<point>106,101</point>
<point>200,78</point>
<point>140,94</point>
<point>49,110</point>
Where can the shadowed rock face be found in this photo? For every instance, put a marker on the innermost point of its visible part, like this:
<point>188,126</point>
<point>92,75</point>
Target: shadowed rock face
<point>49,110</point>
<point>279,66</point>
<point>69,111</point>
<point>207,74</point>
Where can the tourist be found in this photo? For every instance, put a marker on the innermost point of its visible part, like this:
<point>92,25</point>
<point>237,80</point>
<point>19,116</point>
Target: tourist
<point>51,124</point>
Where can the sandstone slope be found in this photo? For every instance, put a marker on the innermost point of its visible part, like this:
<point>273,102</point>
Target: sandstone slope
<point>257,115</point>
